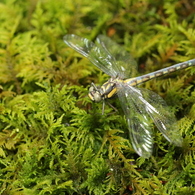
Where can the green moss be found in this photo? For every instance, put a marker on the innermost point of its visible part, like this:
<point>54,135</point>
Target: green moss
<point>53,140</point>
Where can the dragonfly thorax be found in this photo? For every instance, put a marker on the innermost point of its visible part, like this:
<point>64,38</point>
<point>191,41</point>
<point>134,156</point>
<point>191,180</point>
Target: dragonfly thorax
<point>107,90</point>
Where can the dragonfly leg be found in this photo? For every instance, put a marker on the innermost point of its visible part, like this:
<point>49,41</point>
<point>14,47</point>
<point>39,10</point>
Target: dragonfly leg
<point>115,109</point>
<point>103,106</point>
<point>95,87</point>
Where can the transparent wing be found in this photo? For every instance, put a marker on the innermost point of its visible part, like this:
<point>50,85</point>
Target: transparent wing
<point>139,106</point>
<point>139,122</point>
<point>98,55</point>
<point>126,64</point>
<point>162,116</point>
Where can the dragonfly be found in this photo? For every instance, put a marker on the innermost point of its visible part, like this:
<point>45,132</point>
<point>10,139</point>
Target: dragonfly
<point>140,106</point>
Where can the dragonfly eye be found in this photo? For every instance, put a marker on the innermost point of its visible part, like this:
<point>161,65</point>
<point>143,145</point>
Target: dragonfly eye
<point>91,89</point>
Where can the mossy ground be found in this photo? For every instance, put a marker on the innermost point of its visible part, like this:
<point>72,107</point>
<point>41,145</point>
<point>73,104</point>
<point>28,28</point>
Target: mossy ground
<point>53,140</point>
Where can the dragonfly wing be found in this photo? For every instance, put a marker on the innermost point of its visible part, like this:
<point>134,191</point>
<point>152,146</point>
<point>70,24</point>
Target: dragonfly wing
<point>162,116</point>
<point>97,54</point>
<point>148,103</point>
<point>138,120</point>
<point>126,64</point>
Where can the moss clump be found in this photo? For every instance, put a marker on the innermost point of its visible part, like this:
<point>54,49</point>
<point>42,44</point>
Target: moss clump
<point>53,140</point>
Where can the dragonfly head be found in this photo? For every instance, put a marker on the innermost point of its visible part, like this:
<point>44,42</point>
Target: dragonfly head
<point>95,93</point>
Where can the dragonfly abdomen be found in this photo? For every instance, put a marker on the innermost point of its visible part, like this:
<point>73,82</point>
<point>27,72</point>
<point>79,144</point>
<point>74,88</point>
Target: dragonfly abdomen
<point>158,73</point>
